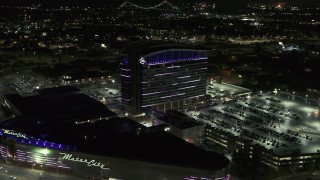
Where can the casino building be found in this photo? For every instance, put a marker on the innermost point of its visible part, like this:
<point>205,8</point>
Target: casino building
<point>47,133</point>
<point>162,77</point>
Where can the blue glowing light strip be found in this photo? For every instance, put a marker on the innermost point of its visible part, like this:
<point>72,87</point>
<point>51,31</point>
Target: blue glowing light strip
<point>170,61</point>
<point>37,142</point>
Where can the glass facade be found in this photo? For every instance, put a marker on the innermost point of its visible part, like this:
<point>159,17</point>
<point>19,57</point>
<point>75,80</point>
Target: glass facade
<point>164,76</point>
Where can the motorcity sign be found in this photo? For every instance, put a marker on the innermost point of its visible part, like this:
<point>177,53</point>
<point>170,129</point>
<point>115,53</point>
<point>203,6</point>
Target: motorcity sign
<point>13,133</point>
<point>88,162</point>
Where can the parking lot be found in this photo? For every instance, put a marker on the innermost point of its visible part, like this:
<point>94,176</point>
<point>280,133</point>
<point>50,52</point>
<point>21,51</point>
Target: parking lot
<point>215,89</point>
<point>103,94</point>
<point>279,121</point>
<point>27,83</point>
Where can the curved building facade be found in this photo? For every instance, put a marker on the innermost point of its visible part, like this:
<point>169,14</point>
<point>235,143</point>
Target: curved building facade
<point>48,156</point>
<point>163,78</point>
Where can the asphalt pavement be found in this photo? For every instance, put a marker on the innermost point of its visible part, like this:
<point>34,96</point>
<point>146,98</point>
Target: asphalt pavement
<point>22,173</point>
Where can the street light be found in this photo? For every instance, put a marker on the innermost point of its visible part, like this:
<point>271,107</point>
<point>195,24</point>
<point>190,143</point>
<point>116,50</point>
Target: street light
<point>143,114</point>
<point>57,164</point>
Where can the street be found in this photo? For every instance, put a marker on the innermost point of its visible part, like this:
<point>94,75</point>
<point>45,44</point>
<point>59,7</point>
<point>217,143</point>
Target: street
<point>22,173</point>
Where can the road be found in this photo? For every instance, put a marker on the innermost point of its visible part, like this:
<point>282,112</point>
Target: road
<point>299,176</point>
<point>23,173</point>
<point>5,89</point>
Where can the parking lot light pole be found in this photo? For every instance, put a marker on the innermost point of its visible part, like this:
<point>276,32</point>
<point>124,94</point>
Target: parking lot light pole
<point>113,81</point>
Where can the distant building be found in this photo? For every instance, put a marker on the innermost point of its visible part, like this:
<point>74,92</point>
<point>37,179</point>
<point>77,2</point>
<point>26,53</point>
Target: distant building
<point>162,77</point>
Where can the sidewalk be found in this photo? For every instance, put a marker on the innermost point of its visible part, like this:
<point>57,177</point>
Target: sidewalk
<point>301,175</point>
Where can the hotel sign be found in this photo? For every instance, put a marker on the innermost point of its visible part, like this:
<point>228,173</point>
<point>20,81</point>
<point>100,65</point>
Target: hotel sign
<point>142,60</point>
<point>88,162</point>
<point>17,134</point>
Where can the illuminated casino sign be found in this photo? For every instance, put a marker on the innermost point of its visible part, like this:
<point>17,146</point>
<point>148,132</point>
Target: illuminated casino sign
<point>142,60</point>
<point>13,133</point>
<point>69,157</point>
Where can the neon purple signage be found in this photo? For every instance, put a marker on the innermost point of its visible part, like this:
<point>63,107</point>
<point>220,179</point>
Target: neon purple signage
<point>227,177</point>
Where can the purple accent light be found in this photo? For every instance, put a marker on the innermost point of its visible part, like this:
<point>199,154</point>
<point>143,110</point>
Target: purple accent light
<point>124,75</point>
<point>170,67</point>
<point>223,178</point>
<point>170,61</point>
<point>173,55</point>
<point>191,81</point>
<point>183,77</point>
<point>187,87</point>
<point>152,93</point>
<point>125,69</point>
<point>163,74</point>
<point>173,95</point>
<point>126,60</point>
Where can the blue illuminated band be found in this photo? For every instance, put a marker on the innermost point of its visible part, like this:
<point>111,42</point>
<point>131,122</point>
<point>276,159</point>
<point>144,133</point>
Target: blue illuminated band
<point>25,139</point>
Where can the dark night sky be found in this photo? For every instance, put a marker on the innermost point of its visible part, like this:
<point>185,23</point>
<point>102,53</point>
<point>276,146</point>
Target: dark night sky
<point>228,6</point>
<point>224,2</point>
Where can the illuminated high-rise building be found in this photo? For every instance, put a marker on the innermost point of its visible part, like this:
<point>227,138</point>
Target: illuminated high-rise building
<point>162,77</point>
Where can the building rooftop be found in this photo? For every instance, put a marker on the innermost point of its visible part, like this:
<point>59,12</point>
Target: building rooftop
<point>125,138</point>
<point>62,90</point>
<point>215,89</point>
<point>179,120</point>
<point>59,105</point>
<point>60,118</point>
